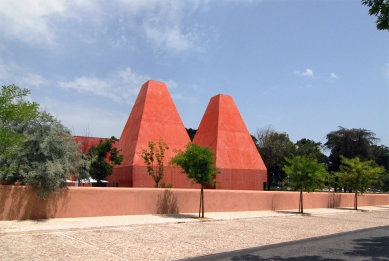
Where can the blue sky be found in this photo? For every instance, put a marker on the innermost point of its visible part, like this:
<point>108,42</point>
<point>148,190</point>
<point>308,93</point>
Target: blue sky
<point>304,67</point>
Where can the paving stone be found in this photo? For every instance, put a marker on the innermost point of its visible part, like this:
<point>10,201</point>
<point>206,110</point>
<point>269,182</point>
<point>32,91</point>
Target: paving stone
<point>173,237</point>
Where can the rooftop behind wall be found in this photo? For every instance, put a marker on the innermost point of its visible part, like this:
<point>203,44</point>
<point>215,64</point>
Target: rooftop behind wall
<point>87,142</point>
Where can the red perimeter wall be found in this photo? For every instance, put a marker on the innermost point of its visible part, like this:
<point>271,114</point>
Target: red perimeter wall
<point>19,203</point>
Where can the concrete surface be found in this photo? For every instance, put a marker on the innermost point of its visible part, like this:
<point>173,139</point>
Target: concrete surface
<point>172,237</point>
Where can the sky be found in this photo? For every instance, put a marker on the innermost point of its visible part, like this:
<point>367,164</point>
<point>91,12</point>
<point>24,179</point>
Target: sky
<point>303,67</point>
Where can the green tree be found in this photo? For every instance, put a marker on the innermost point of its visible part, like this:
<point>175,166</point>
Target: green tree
<point>379,8</point>
<point>349,143</point>
<point>191,132</point>
<point>384,180</point>
<point>274,147</point>
<point>304,174</point>
<point>312,149</point>
<point>198,163</point>
<point>155,154</point>
<point>14,113</point>
<point>103,158</point>
<point>381,157</point>
<point>48,156</point>
<point>358,175</point>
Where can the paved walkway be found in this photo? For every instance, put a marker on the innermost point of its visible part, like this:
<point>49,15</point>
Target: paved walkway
<point>172,237</point>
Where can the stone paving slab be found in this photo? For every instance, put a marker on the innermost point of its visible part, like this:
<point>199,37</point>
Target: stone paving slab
<point>115,221</point>
<point>172,237</point>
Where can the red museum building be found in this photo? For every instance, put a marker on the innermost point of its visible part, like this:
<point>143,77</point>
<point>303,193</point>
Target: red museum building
<point>154,115</point>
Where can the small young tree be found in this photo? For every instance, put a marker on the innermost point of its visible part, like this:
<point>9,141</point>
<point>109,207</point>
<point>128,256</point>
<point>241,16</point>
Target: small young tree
<point>198,163</point>
<point>155,154</point>
<point>304,174</point>
<point>358,175</point>
<point>103,158</point>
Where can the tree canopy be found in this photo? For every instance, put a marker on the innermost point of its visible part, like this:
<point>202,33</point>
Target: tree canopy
<point>191,132</point>
<point>15,112</point>
<point>36,148</point>
<point>379,8</point>
<point>381,157</point>
<point>103,158</point>
<point>49,157</point>
<point>349,143</point>
<point>274,147</point>
<point>312,149</point>
<point>198,163</point>
<point>358,175</point>
<point>155,154</point>
<point>304,174</point>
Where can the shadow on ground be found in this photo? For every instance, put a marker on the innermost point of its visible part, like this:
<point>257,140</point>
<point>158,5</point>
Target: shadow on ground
<point>179,216</point>
<point>374,248</point>
<point>277,258</point>
<point>365,244</point>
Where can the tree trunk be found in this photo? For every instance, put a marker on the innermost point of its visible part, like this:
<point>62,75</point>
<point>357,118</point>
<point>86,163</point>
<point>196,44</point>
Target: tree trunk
<point>299,205</point>
<point>356,200</point>
<point>201,196</point>
<point>202,200</point>
<point>301,200</point>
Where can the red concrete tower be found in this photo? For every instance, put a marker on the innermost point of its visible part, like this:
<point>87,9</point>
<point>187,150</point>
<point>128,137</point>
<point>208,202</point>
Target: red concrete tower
<point>153,115</point>
<point>223,130</point>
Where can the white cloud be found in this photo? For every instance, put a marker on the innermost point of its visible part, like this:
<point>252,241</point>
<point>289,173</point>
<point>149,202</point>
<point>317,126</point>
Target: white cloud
<point>28,21</point>
<point>93,85</point>
<point>308,73</point>
<point>7,70</point>
<point>78,117</point>
<point>170,38</point>
<point>334,76</point>
<point>34,80</point>
<point>120,86</point>
<point>12,73</point>
<point>171,84</point>
<point>179,97</point>
<point>160,22</point>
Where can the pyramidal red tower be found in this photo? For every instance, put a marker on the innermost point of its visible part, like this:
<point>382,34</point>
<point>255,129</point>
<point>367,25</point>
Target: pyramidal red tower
<point>153,116</point>
<point>223,130</point>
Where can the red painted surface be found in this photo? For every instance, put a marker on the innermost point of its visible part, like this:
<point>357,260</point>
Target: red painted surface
<point>87,142</point>
<point>18,203</point>
<point>153,115</point>
<point>223,130</point>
